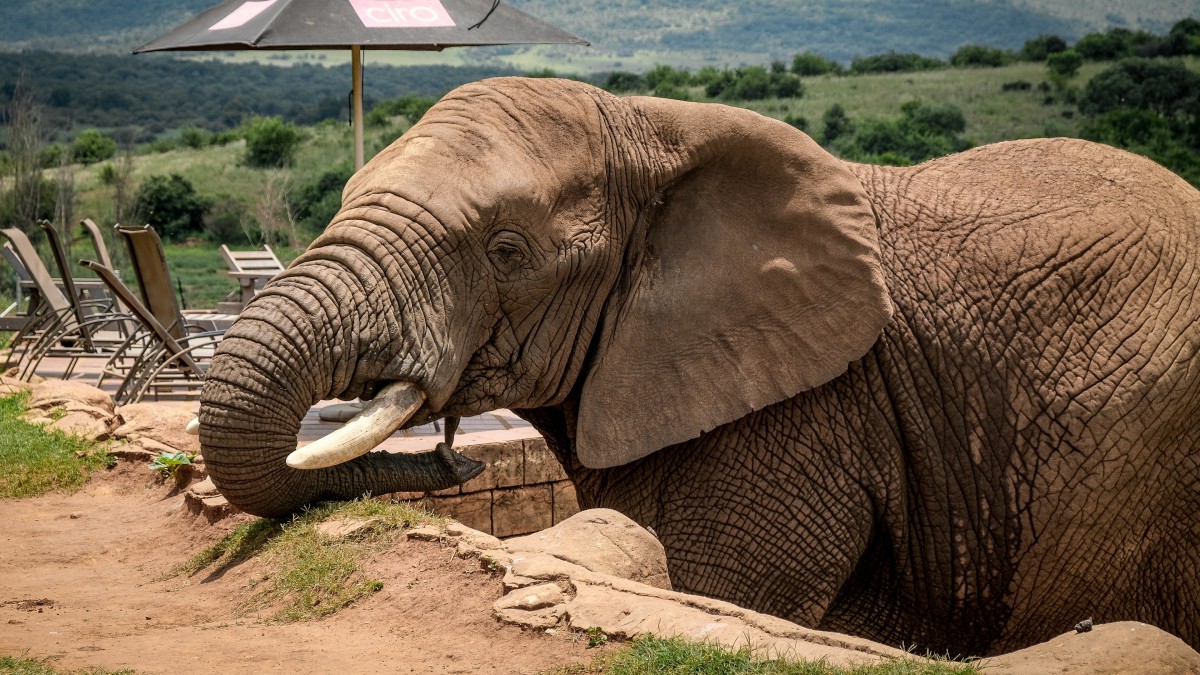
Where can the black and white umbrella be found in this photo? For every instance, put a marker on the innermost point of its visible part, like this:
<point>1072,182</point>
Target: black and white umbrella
<point>358,24</point>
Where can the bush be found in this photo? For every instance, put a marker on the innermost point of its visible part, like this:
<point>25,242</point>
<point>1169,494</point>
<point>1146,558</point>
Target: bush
<point>798,121</point>
<point>1167,88</point>
<point>893,62</point>
<point>1117,43</point>
<point>229,221</point>
<point>316,203</point>
<point>619,82</point>
<point>411,108</point>
<point>91,146</point>
<point>979,56</point>
<point>270,142</point>
<point>666,75</point>
<point>754,83</point>
<point>171,205</point>
<point>194,138</point>
<point>1042,46</point>
<point>668,90</point>
<point>1064,64</point>
<point>1016,85</point>
<point>809,64</point>
<point>47,193</point>
<point>922,132</point>
<point>835,123</point>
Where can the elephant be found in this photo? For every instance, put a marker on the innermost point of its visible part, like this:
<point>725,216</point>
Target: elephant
<point>953,406</point>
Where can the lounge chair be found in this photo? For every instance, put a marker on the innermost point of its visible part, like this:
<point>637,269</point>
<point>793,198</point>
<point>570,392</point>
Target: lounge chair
<point>252,269</point>
<point>171,353</point>
<point>61,324</point>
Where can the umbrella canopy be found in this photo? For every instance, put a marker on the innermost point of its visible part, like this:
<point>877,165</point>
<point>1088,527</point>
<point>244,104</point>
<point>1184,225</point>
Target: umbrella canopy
<point>358,24</point>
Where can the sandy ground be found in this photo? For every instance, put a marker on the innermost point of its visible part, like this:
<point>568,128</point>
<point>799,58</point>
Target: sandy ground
<point>81,584</point>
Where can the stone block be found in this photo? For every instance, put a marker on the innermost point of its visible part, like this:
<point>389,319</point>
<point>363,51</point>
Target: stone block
<point>521,510</point>
<point>504,465</point>
<point>566,504</point>
<point>473,510</point>
<point>541,466</point>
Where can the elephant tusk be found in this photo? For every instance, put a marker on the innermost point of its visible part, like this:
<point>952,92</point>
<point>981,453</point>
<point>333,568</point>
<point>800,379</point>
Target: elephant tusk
<point>193,427</point>
<point>389,410</point>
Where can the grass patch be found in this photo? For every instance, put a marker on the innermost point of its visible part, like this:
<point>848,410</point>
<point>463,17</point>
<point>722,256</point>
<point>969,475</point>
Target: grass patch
<point>35,461</point>
<point>309,575</point>
<point>10,665</point>
<point>651,655</point>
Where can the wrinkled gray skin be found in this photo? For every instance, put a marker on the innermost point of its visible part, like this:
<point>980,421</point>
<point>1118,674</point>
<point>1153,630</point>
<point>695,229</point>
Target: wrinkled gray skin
<point>954,405</point>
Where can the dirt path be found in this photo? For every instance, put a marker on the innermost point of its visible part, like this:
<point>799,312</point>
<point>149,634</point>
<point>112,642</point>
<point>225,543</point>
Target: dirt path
<point>80,582</point>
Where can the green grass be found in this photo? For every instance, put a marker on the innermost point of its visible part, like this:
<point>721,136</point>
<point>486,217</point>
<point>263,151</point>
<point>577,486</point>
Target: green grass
<point>10,665</point>
<point>35,461</point>
<point>308,575</point>
<point>652,655</point>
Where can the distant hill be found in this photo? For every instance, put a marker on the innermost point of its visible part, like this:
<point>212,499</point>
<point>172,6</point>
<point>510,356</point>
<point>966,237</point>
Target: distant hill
<point>703,30</point>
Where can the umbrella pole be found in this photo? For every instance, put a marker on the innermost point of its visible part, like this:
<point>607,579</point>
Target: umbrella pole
<point>356,75</point>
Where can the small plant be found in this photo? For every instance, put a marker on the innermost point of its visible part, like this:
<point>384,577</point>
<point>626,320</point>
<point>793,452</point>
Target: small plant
<point>596,637</point>
<point>168,464</point>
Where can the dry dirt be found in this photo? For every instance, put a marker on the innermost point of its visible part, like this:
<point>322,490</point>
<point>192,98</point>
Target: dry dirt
<point>81,584</point>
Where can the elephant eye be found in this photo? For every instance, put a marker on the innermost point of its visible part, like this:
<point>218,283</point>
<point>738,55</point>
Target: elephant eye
<point>508,252</point>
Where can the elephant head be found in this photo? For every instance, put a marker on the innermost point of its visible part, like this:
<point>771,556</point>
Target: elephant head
<point>660,268</point>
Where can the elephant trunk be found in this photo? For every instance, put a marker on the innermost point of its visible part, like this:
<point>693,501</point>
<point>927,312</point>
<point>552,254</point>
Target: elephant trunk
<point>272,365</point>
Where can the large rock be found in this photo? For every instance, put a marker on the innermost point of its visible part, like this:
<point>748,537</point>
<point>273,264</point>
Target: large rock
<point>1125,648</point>
<point>604,541</point>
<point>11,386</point>
<point>71,407</point>
<point>156,428</point>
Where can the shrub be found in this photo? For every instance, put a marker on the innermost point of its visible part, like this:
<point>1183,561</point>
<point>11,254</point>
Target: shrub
<point>171,205</point>
<point>923,131</point>
<point>754,83</point>
<point>835,123</point>
<point>194,138</point>
<point>1042,46</point>
<point>809,64</point>
<point>92,146</point>
<point>1016,85</point>
<point>1167,88</point>
<point>229,221</point>
<point>270,142</point>
<point>620,81</point>
<point>315,204</point>
<point>980,56</point>
<point>798,121</point>
<point>1064,64</point>
<point>666,75</point>
<point>1117,43</point>
<point>411,108</point>
<point>893,62</point>
<point>668,90</point>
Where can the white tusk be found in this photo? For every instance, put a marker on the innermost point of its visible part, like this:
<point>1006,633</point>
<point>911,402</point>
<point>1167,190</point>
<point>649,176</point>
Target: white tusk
<point>193,427</point>
<point>381,417</point>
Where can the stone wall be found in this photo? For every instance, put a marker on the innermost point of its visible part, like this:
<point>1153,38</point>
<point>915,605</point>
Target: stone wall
<point>522,489</point>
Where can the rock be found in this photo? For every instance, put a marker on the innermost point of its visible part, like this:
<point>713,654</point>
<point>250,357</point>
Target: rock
<point>603,541</point>
<point>156,428</point>
<point>204,488</point>
<point>83,424</point>
<point>351,528</point>
<point>11,386</point>
<point>70,395</point>
<point>1125,647</point>
<point>428,533</point>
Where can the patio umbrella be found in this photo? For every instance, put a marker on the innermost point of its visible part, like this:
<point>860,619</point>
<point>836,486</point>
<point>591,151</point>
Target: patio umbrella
<point>358,24</point>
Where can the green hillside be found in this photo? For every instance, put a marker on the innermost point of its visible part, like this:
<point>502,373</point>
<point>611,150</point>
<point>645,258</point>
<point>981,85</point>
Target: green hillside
<point>626,33</point>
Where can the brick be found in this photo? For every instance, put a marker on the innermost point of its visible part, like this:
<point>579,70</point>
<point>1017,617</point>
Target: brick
<point>473,510</point>
<point>565,502</point>
<point>541,466</point>
<point>521,510</point>
<point>504,465</point>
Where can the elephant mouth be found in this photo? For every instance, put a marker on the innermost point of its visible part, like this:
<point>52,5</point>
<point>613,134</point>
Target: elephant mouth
<point>390,408</point>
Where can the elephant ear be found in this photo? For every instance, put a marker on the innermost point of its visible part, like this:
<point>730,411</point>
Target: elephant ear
<point>753,276</point>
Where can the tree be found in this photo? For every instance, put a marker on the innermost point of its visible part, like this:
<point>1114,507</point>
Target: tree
<point>271,142</point>
<point>26,200</point>
<point>893,62</point>
<point>92,146</point>
<point>835,124</point>
<point>171,205</point>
